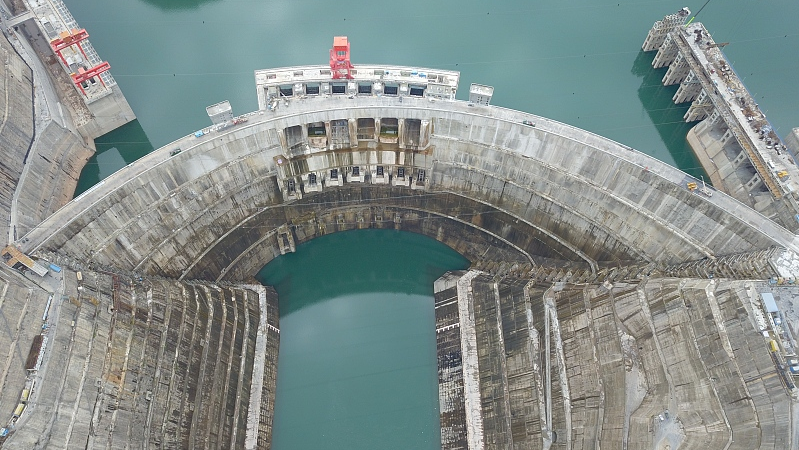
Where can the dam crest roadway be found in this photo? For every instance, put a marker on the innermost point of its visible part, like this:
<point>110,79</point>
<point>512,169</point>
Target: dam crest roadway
<point>635,207</point>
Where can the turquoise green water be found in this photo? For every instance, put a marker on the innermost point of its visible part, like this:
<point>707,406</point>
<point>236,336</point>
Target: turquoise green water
<point>114,151</point>
<point>357,361</point>
<point>357,365</point>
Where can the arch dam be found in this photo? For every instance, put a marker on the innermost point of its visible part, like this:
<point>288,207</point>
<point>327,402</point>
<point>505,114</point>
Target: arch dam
<point>607,305</point>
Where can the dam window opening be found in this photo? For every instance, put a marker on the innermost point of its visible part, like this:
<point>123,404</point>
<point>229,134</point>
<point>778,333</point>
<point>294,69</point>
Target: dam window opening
<point>339,88</point>
<point>312,89</point>
<point>334,174</point>
<point>366,129</point>
<point>401,173</point>
<point>420,176</point>
<point>390,89</point>
<point>287,90</point>
<point>291,186</point>
<point>417,91</point>
<point>413,132</point>
<point>356,171</point>
<point>316,129</point>
<point>340,134</point>
<point>312,179</point>
<point>294,138</point>
<point>365,88</point>
<point>389,127</point>
<point>380,171</point>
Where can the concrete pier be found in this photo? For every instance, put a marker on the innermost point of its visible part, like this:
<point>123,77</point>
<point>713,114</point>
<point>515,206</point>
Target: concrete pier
<point>735,144</point>
<point>659,32</point>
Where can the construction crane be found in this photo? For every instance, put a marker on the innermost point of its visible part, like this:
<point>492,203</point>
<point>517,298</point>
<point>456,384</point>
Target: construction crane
<point>74,37</point>
<point>68,39</point>
<point>86,75</point>
<point>340,64</point>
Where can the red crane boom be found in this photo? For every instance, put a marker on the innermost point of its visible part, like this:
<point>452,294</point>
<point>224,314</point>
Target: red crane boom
<point>340,64</point>
<point>85,75</point>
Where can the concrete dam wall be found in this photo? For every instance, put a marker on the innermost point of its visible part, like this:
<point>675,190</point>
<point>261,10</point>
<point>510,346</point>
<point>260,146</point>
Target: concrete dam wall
<point>568,331</point>
<point>212,207</point>
<point>16,125</point>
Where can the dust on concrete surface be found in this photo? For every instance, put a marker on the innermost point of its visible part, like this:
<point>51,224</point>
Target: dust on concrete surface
<point>668,431</point>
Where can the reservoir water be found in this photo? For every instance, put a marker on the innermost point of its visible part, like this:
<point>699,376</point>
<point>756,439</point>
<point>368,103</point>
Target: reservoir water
<point>356,308</point>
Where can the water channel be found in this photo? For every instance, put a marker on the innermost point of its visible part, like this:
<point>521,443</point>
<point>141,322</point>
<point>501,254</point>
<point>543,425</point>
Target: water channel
<point>357,355</point>
<point>357,366</point>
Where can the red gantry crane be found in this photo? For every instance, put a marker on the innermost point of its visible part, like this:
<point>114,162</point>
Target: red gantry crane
<point>340,64</point>
<point>85,75</point>
<point>74,37</point>
<point>67,39</point>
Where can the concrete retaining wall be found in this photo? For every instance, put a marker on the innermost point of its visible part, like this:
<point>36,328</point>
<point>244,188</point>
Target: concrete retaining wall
<point>16,126</point>
<point>56,160</point>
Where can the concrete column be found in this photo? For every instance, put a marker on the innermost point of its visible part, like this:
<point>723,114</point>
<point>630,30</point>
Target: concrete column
<point>299,89</point>
<point>689,89</point>
<point>353,125</point>
<point>281,136</point>
<point>401,133</point>
<point>668,51</point>
<point>329,135</point>
<point>677,72</point>
<point>700,108</point>
<point>304,128</point>
<point>424,134</point>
